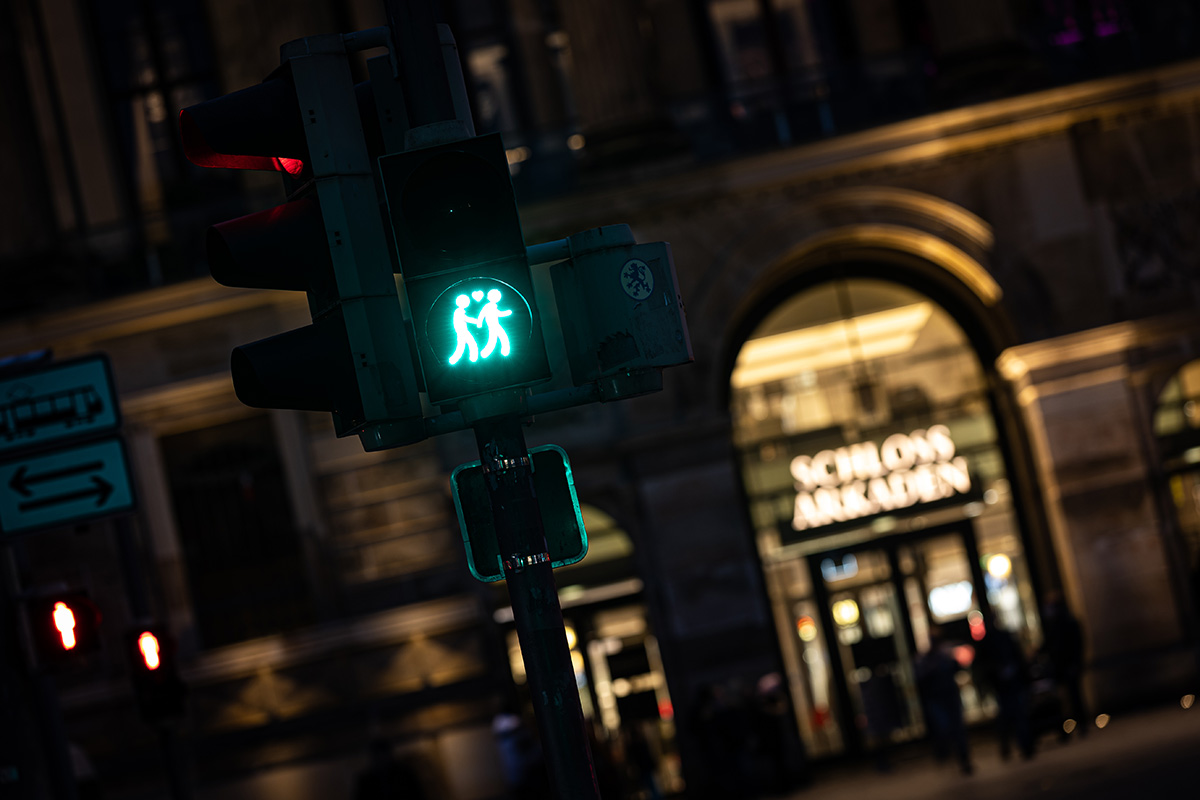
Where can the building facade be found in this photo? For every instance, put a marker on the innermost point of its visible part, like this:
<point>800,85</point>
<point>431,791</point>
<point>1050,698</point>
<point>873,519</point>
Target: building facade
<point>940,281</point>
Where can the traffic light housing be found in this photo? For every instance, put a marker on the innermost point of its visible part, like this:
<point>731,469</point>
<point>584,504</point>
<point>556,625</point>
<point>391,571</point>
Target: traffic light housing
<point>63,627</point>
<point>328,240</point>
<point>160,692</point>
<point>620,311</point>
<point>466,276</point>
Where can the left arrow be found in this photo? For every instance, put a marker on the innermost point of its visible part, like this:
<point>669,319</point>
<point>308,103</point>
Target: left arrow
<point>100,488</point>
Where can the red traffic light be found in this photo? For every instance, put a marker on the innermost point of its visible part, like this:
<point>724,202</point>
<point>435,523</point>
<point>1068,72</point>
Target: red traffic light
<point>63,627</point>
<point>64,622</point>
<point>150,650</point>
<point>256,128</point>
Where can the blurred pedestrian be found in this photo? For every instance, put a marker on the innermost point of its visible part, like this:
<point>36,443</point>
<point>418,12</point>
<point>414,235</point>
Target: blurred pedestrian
<point>387,777</point>
<point>521,756</point>
<point>772,715</point>
<point>1063,647</point>
<point>936,672</point>
<point>605,763</point>
<point>1004,668</point>
<point>642,763</point>
<point>720,728</point>
<point>881,707</point>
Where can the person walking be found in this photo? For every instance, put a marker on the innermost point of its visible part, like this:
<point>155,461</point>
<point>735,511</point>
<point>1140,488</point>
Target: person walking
<point>1005,669</point>
<point>936,672</point>
<point>1063,648</point>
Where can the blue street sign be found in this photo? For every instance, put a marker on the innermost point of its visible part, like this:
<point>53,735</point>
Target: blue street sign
<point>65,486</point>
<point>47,405</point>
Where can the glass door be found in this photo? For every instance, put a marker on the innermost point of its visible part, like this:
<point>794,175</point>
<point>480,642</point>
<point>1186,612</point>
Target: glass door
<point>879,605</point>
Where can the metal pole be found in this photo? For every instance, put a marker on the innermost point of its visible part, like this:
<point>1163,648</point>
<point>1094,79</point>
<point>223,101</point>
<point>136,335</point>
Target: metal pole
<point>536,611</point>
<point>422,64</point>
<point>138,596</point>
<point>37,693</point>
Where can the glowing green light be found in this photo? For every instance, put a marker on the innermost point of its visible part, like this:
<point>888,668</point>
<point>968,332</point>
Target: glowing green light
<point>489,315</point>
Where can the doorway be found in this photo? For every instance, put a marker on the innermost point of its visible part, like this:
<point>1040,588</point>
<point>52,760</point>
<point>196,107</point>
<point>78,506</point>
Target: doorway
<point>879,602</point>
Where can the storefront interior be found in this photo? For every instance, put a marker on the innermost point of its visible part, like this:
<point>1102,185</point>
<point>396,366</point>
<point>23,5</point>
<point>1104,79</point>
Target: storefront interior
<point>878,489</point>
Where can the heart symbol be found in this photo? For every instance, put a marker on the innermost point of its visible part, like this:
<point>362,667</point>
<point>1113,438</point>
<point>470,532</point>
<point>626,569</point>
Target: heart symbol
<point>477,295</point>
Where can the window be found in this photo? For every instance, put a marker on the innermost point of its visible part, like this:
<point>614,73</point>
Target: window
<point>244,562</point>
<point>155,59</point>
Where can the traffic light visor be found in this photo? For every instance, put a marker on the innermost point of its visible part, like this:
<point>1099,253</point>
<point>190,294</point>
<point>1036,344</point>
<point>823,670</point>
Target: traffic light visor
<point>256,128</point>
<point>263,250</point>
<point>455,209</point>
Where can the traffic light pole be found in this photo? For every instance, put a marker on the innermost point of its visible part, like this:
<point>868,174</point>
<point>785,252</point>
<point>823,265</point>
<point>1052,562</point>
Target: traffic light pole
<point>139,606</point>
<point>536,612</point>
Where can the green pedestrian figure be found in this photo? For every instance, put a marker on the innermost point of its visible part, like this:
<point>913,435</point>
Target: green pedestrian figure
<point>466,341</point>
<point>491,314</point>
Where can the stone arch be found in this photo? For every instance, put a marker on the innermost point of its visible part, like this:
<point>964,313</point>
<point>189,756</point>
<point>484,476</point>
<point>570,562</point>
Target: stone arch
<point>901,234</point>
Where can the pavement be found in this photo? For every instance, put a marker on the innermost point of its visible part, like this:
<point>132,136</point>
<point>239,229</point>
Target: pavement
<point>1144,754</point>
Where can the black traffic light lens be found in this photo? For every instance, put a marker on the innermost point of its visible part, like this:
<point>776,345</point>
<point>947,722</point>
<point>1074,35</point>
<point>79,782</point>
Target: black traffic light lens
<point>457,207</point>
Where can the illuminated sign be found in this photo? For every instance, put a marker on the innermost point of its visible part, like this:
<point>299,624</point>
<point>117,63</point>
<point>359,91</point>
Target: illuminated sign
<point>865,479</point>
<point>477,334</point>
<point>488,314</point>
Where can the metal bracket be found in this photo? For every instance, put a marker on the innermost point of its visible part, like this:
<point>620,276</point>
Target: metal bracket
<point>517,562</point>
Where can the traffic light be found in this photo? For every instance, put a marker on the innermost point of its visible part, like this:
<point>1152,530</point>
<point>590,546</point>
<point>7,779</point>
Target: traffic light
<point>63,627</point>
<point>156,682</point>
<point>465,273</point>
<point>328,240</point>
<point>620,311</point>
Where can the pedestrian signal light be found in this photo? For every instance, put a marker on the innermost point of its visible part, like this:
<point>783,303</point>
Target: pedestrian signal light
<point>149,648</point>
<point>160,691</point>
<point>64,621</point>
<point>63,627</point>
<point>465,274</point>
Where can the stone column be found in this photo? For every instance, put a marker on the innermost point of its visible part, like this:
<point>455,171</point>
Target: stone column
<point>1082,413</point>
<point>702,577</point>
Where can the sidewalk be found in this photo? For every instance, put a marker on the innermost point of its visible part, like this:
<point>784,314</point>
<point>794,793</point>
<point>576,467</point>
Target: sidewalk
<point>1144,754</point>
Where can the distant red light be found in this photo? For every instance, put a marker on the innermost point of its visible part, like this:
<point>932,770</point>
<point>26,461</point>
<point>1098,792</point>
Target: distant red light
<point>148,645</point>
<point>964,654</point>
<point>64,621</point>
<point>666,710</point>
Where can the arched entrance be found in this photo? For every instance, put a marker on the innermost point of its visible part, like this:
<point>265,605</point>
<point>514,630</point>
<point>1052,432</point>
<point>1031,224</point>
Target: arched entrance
<point>879,491</point>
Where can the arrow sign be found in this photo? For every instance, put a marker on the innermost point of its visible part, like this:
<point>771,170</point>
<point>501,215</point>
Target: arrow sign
<point>64,487</point>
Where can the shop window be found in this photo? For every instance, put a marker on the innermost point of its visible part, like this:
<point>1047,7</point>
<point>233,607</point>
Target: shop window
<point>1177,425</point>
<point>245,569</point>
<point>879,495</point>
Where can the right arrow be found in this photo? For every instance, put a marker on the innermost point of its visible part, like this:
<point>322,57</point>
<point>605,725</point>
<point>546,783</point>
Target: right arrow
<point>100,488</point>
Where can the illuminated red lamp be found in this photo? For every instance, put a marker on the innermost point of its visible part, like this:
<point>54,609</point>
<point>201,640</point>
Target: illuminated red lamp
<point>976,625</point>
<point>255,128</point>
<point>64,623</point>
<point>149,647</point>
<point>200,153</point>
